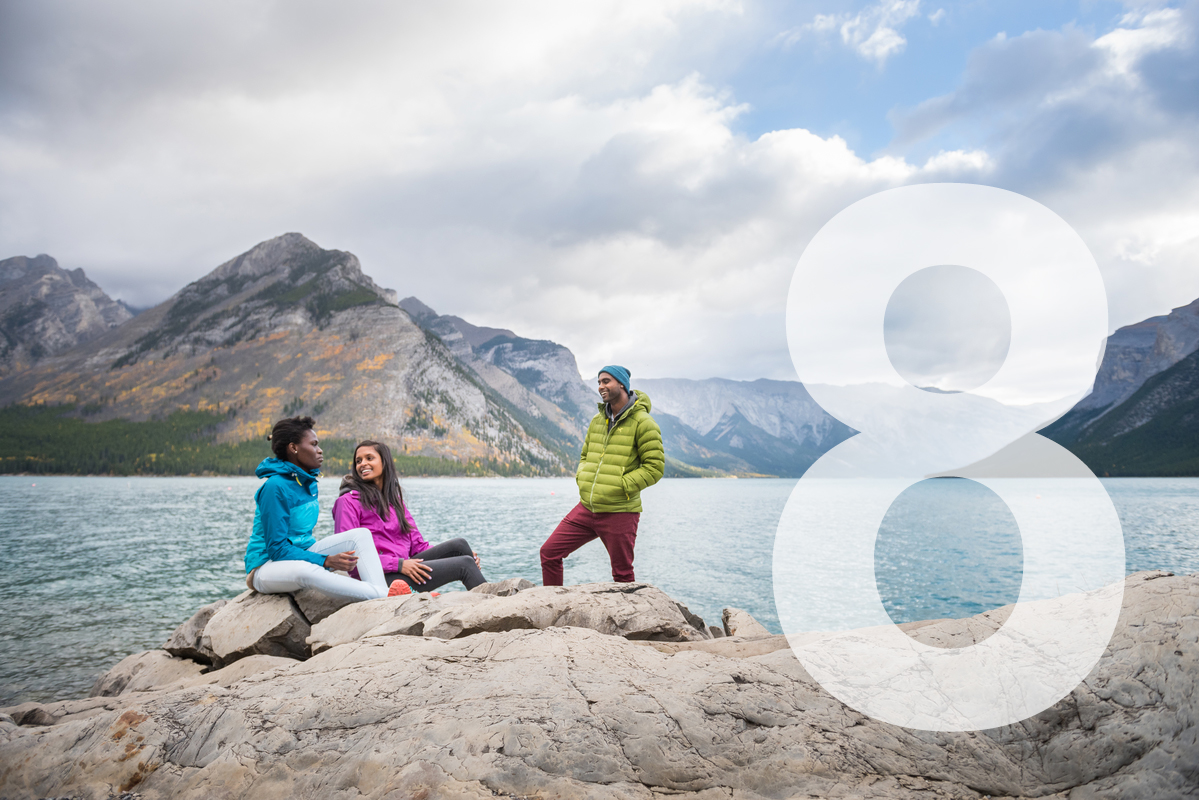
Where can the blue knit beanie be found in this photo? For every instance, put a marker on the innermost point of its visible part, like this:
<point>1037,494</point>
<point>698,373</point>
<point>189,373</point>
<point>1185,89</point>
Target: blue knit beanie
<point>620,374</point>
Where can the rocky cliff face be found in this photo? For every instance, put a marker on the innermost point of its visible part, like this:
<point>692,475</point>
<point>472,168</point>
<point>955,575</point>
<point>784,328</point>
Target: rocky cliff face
<point>545,368</point>
<point>458,334</point>
<point>1134,354</point>
<point>1155,432</point>
<point>538,376</point>
<point>288,328</point>
<point>46,310</point>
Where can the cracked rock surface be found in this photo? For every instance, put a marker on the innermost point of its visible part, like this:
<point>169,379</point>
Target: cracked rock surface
<point>575,712</point>
<point>630,610</point>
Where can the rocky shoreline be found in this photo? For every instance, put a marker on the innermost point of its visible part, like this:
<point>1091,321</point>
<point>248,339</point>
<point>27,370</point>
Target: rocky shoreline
<point>600,690</point>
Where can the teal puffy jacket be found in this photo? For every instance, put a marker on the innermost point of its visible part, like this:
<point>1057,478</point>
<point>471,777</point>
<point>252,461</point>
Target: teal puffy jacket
<point>617,464</point>
<point>286,511</point>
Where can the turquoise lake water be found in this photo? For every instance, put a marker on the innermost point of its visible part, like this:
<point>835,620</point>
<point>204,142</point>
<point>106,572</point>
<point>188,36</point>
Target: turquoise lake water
<point>98,568</point>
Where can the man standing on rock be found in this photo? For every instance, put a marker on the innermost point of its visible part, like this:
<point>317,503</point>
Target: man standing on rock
<point>622,454</point>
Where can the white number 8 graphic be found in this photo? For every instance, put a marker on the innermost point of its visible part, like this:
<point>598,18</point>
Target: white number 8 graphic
<point>824,581</point>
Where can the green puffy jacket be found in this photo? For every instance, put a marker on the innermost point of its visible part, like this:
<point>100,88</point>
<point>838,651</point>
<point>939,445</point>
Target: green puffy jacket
<point>617,464</point>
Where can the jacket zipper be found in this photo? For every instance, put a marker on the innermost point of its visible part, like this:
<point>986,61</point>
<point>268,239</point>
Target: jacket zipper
<point>608,435</point>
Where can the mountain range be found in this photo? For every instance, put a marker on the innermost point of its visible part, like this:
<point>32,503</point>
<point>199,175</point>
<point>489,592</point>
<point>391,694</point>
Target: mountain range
<point>1142,416</point>
<point>46,310</point>
<point>289,327</point>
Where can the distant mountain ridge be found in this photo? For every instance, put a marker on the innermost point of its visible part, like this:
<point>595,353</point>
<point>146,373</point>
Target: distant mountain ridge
<point>289,327</point>
<point>545,368</point>
<point>46,310</point>
<point>762,427</point>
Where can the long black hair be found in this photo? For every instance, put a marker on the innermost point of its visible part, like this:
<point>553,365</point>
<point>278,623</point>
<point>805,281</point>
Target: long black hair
<point>391,496</point>
<point>288,431</point>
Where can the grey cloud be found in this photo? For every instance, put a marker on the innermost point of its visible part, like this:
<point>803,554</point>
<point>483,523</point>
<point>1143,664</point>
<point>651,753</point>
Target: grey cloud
<point>1171,76</point>
<point>1049,103</point>
<point>1003,79</point>
<point>148,143</point>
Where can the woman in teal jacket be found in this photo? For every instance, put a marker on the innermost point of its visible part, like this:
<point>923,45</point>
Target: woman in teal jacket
<point>282,554</point>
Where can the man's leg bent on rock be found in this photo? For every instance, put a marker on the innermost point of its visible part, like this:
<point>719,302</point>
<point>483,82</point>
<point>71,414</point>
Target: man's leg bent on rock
<point>575,530</point>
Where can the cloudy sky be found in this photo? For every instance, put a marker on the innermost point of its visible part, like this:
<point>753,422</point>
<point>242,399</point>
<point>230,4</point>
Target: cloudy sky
<point>635,180</point>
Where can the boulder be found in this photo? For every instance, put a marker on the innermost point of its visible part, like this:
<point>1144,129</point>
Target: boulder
<point>628,610</point>
<point>257,624</point>
<point>694,620</point>
<point>316,606</point>
<point>569,712</point>
<point>143,672</point>
<point>505,587</point>
<point>386,616</point>
<point>187,640</point>
<point>742,624</point>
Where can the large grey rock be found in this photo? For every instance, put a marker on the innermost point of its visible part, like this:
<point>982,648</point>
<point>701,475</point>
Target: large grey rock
<point>569,712</point>
<point>629,610</point>
<point>386,616</point>
<point>695,621</point>
<point>741,623</point>
<point>316,606</point>
<point>187,640</point>
<point>504,588</point>
<point>141,672</point>
<point>257,624</point>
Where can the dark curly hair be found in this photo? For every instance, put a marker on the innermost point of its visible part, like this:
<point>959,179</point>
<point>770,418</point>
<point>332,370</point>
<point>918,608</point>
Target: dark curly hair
<point>288,431</point>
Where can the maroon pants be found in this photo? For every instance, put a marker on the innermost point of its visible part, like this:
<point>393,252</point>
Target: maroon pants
<point>617,530</point>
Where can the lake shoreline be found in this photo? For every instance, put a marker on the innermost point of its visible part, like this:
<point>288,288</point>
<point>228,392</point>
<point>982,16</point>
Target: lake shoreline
<point>601,691</point>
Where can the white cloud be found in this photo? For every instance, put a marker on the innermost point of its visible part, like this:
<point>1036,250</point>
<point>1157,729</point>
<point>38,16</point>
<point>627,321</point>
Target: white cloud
<point>1141,33</point>
<point>873,33</point>
<point>960,162</point>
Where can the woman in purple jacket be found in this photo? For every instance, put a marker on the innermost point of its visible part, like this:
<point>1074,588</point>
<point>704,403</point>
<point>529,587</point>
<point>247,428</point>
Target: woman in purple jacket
<point>371,498</point>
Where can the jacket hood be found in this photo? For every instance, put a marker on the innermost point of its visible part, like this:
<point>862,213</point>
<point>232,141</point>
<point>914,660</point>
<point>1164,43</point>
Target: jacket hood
<point>273,466</point>
<point>640,398</point>
<point>347,485</point>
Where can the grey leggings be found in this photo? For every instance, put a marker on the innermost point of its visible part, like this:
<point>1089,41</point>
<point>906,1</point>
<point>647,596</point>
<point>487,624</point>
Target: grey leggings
<point>449,561</point>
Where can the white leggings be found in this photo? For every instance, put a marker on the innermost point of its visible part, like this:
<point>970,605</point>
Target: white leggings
<point>278,577</point>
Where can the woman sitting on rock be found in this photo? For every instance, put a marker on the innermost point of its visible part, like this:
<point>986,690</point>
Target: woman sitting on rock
<point>283,555</point>
<point>371,498</point>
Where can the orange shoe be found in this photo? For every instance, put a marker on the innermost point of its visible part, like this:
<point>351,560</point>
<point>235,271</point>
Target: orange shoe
<point>398,588</point>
